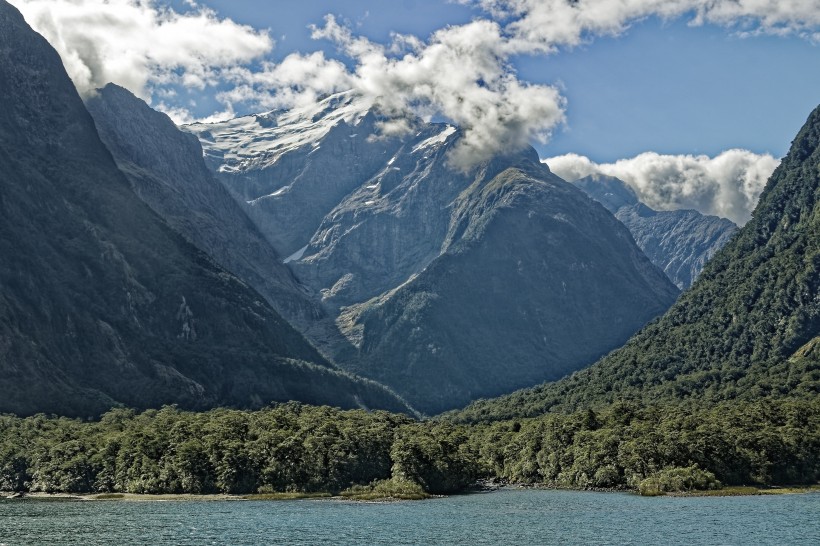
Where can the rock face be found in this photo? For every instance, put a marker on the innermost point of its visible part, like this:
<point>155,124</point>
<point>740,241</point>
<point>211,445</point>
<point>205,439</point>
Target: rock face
<point>680,242</point>
<point>166,170</point>
<point>101,302</point>
<point>533,284</point>
<point>447,285</point>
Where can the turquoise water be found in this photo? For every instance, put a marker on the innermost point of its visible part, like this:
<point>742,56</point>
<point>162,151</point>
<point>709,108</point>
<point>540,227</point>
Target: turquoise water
<point>504,517</point>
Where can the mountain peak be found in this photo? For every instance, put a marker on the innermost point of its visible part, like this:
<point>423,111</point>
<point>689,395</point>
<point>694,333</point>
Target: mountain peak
<point>260,140</point>
<point>679,242</point>
<point>746,329</point>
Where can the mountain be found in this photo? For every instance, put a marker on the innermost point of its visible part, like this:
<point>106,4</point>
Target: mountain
<point>447,285</point>
<point>680,242</point>
<point>749,328</point>
<point>292,167</point>
<point>101,302</point>
<point>166,169</point>
<point>533,284</point>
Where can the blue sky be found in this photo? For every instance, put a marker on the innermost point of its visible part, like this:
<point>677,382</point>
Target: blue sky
<point>663,86</point>
<point>691,102</point>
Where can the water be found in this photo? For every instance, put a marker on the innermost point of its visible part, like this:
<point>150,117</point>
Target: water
<point>504,517</point>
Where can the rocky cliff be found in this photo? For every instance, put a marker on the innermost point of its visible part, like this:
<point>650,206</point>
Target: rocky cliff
<point>680,241</point>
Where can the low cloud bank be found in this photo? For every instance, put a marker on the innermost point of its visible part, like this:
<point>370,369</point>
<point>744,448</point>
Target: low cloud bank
<point>726,185</point>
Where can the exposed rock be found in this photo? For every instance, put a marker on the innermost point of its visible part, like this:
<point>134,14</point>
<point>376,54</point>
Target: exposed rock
<point>448,285</point>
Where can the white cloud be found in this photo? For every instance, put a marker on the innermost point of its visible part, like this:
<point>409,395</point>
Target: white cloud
<point>545,24</point>
<point>726,185</point>
<point>297,80</point>
<point>463,73</point>
<point>141,45</point>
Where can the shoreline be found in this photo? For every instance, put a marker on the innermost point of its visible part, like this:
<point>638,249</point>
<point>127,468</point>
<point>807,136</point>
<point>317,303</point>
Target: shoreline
<point>732,491</point>
<point>189,497</point>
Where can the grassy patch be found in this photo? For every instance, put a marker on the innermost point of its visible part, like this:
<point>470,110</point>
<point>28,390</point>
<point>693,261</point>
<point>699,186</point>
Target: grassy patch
<point>745,490</point>
<point>109,496</point>
<point>678,480</point>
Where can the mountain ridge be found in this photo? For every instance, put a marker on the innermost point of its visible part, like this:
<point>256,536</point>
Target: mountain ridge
<point>166,169</point>
<point>101,302</point>
<point>747,329</point>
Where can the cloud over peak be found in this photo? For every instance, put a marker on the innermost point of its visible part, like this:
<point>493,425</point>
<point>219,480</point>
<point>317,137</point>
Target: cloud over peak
<point>463,73</point>
<point>726,185</point>
<point>140,44</point>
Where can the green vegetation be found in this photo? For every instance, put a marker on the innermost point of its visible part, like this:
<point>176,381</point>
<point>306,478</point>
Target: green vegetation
<point>676,479</point>
<point>766,443</point>
<point>296,451</point>
<point>392,489</point>
<point>288,448</point>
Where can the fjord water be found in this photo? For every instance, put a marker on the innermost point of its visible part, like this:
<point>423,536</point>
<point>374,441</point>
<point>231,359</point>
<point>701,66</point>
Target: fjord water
<point>503,517</point>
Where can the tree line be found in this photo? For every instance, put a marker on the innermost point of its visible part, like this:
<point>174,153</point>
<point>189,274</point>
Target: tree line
<point>298,448</point>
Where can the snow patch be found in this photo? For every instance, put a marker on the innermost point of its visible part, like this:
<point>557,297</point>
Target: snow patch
<point>245,142</point>
<point>296,256</point>
<point>440,138</point>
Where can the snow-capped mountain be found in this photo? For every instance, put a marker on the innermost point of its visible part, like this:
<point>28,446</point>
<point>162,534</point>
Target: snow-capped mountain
<point>258,141</point>
<point>447,285</point>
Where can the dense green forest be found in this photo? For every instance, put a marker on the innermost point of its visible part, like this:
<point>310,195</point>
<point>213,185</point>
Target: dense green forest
<point>296,448</point>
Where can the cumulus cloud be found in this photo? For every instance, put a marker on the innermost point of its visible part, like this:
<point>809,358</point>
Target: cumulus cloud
<point>141,45</point>
<point>726,185</point>
<point>463,73</point>
<point>545,24</point>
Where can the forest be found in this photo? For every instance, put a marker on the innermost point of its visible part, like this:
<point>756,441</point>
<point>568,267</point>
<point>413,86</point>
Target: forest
<point>298,448</point>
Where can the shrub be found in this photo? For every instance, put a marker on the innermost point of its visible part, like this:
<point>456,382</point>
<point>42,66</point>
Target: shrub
<point>677,479</point>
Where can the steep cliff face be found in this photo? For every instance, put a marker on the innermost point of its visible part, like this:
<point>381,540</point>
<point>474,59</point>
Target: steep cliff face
<point>166,170</point>
<point>101,302</point>
<point>680,242</point>
<point>448,285</point>
<point>292,168</point>
<point>390,227</point>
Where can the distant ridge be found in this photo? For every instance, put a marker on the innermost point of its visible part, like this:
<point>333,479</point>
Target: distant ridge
<point>680,242</point>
